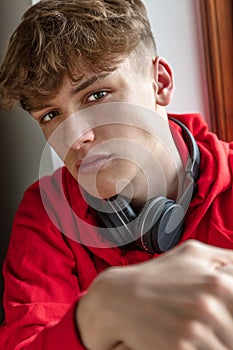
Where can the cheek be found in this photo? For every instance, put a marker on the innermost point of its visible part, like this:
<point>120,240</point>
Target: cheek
<point>148,99</point>
<point>49,129</point>
<point>143,94</point>
<point>70,162</point>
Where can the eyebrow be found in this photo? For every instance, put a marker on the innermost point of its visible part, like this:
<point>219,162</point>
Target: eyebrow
<point>89,82</point>
<point>77,89</point>
<point>39,108</point>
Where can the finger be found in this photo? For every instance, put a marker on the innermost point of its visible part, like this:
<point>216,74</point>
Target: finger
<point>223,327</point>
<point>213,326</point>
<point>192,320</point>
<point>207,340</point>
<point>227,269</point>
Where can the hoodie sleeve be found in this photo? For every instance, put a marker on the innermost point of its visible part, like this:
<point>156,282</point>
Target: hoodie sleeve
<point>41,283</point>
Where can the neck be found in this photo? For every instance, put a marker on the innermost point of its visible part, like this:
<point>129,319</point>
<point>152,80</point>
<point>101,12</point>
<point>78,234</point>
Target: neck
<point>162,179</point>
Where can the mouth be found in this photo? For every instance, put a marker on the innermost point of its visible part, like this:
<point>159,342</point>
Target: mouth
<point>92,164</point>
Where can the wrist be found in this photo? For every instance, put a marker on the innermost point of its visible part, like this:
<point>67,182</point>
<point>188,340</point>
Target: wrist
<point>97,316</point>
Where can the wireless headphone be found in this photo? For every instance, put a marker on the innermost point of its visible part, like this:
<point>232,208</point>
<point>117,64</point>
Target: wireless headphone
<point>159,225</point>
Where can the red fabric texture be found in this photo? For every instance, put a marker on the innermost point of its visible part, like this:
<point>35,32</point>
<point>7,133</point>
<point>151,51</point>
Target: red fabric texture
<point>46,271</point>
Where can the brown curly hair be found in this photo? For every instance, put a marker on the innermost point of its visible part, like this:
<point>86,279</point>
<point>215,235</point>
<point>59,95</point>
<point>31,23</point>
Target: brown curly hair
<point>58,37</point>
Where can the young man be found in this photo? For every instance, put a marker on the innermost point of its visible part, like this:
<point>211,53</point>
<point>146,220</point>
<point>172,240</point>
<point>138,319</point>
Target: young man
<point>88,72</point>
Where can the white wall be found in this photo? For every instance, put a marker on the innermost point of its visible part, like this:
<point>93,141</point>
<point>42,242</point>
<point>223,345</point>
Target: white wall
<point>177,30</point>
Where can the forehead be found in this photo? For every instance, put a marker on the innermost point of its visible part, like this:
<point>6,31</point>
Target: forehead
<point>73,85</point>
<point>123,70</point>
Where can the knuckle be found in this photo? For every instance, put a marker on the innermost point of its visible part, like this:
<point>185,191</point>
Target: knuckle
<point>206,305</point>
<point>216,284</point>
<point>190,247</point>
<point>181,344</point>
<point>192,332</point>
<point>193,329</point>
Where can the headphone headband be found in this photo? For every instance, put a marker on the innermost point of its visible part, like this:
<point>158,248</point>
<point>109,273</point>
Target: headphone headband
<point>193,149</point>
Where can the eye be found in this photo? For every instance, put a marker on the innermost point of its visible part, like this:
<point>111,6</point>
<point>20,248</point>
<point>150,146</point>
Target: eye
<point>48,116</point>
<point>98,95</point>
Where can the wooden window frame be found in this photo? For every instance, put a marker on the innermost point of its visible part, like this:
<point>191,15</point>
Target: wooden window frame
<point>217,25</point>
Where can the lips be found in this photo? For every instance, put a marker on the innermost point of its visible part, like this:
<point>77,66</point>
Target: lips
<point>92,164</point>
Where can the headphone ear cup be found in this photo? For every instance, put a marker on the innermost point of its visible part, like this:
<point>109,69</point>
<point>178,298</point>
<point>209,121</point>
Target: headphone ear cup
<point>160,224</point>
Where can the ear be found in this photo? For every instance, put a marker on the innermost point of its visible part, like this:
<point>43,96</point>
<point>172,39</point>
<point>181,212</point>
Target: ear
<point>164,85</point>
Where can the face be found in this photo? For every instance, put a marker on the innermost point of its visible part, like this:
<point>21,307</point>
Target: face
<point>102,156</point>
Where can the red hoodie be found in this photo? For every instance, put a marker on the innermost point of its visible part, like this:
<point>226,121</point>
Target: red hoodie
<point>46,270</point>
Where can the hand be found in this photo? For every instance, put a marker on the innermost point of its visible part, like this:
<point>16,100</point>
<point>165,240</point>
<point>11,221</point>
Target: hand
<point>227,269</point>
<point>181,300</point>
<point>120,346</point>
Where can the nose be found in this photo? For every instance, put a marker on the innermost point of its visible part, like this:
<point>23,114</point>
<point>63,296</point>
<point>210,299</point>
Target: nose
<point>83,140</point>
<point>76,133</point>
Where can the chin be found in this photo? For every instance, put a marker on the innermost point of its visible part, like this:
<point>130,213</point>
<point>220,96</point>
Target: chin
<point>102,188</point>
<point>103,192</point>
<point>108,182</point>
